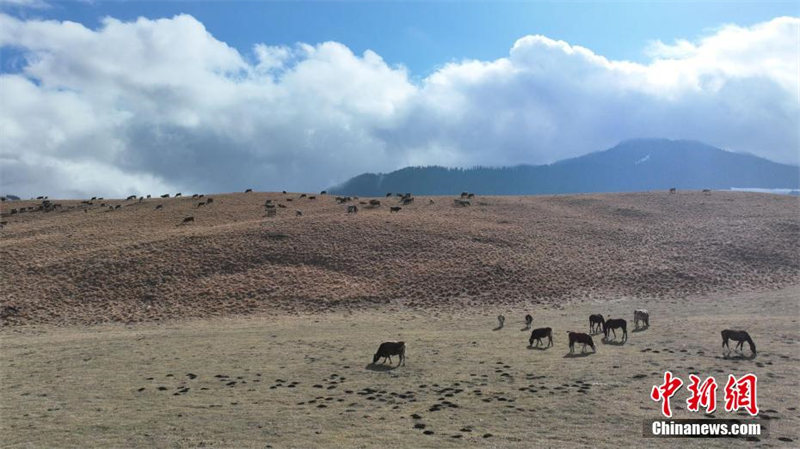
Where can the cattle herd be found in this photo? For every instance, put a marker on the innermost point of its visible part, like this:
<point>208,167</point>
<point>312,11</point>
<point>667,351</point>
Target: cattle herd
<point>597,324</point>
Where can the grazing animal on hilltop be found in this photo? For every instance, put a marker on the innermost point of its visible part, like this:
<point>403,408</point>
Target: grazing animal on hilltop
<point>395,209</point>
<point>641,315</point>
<point>148,196</point>
<point>177,194</point>
<point>460,202</point>
<point>673,190</point>
<point>187,220</point>
<point>388,194</point>
<point>166,195</point>
<point>194,195</point>
<point>248,190</point>
<point>312,197</point>
<point>352,209</point>
<point>528,321</point>
<point>617,323</point>
<point>407,200</point>
<point>132,197</point>
<point>579,337</point>
<point>388,349</point>
<point>324,192</point>
<point>706,190</point>
<point>596,323</point>
<point>540,333</point>
<point>374,203</point>
<point>739,336</point>
<point>464,194</point>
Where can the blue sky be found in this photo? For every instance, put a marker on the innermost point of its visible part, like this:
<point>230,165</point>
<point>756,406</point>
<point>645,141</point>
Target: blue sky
<point>424,35</point>
<point>120,98</point>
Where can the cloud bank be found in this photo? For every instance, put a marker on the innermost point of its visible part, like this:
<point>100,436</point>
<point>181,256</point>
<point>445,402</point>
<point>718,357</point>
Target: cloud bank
<point>152,106</point>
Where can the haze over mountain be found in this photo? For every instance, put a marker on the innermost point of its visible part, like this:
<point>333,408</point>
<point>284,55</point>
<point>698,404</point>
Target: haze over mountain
<point>633,165</point>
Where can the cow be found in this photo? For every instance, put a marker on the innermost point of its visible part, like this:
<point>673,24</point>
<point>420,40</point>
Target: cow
<point>201,203</point>
<point>324,192</point>
<point>166,195</point>
<point>132,197</point>
<point>395,209</point>
<point>312,197</point>
<point>248,190</point>
<point>464,194</point>
<point>302,195</point>
<point>579,337</point>
<point>194,195</point>
<point>596,322</point>
<point>540,333</point>
<point>282,206</point>
<point>387,349</point>
<point>471,195</point>
<point>617,323</point>
<point>177,194</point>
<point>461,203</point>
<point>641,315</point>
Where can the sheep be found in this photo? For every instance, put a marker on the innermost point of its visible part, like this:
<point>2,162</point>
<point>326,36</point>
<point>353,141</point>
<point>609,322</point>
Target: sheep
<point>387,349</point>
<point>540,333</point>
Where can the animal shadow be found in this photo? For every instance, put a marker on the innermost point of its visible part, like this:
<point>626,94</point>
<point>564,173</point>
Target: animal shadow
<point>737,356</point>
<point>497,328</point>
<point>539,347</point>
<point>606,341</point>
<point>380,367</point>
<point>575,355</point>
<point>640,329</point>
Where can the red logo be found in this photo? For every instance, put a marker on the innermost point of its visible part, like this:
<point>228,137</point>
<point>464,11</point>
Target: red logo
<point>704,395</point>
<point>665,391</point>
<point>741,393</point>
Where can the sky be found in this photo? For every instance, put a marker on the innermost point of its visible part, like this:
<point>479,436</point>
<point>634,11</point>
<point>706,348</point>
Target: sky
<point>124,97</point>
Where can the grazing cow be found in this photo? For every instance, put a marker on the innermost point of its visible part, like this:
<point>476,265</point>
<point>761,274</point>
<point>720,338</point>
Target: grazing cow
<point>141,198</point>
<point>739,336</point>
<point>284,192</point>
<point>618,323</point>
<point>132,197</point>
<point>540,333</point>
<point>148,196</point>
<point>201,203</point>
<point>248,190</point>
<point>200,196</point>
<point>209,200</point>
<point>528,321</point>
<point>324,192</point>
<point>706,190</point>
<point>387,349</point>
<point>160,206</point>
<point>93,198</point>
<point>13,211</point>
<point>187,220</point>
<point>596,323</point>
<point>501,321</point>
<point>298,213</point>
<point>641,315</point>
<point>166,195</point>
<point>395,209</point>
<point>579,337</point>
<point>194,195</point>
<point>673,190</point>
<point>177,194</point>
<point>39,197</point>
<point>352,209</point>
<point>117,206</point>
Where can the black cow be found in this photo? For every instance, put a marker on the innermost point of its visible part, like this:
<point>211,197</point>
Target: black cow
<point>540,333</point>
<point>578,337</point>
<point>388,349</point>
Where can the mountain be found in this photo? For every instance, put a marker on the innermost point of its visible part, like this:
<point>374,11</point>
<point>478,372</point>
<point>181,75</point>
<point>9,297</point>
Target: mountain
<point>634,165</point>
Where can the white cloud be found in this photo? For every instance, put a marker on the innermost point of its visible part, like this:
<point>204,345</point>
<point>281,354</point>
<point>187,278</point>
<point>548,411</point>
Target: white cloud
<point>161,105</point>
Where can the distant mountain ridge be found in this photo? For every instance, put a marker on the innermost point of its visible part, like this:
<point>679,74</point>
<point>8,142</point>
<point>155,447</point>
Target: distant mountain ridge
<point>633,165</point>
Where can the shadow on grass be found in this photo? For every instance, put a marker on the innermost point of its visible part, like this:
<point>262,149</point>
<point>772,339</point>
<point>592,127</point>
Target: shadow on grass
<point>606,341</point>
<point>736,356</point>
<point>497,328</point>
<point>539,347</point>
<point>640,329</point>
<point>380,367</point>
<point>575,355</point>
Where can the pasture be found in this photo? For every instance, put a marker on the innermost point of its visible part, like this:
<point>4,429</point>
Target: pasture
<point>305,380</point>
